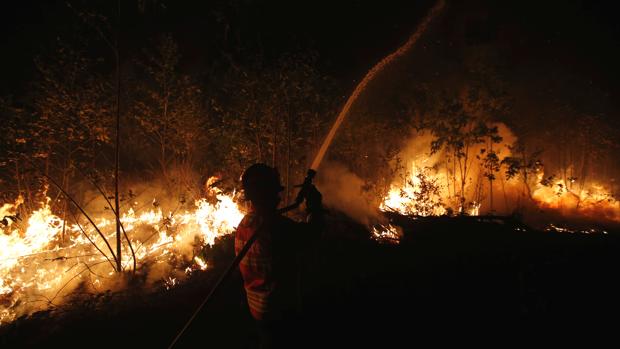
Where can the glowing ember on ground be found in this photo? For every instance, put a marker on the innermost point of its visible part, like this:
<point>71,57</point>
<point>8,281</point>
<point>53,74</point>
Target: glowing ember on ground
<point>559,229</point>
<point>387,234</point>
<point>201,263</point>
<point>38,268</point>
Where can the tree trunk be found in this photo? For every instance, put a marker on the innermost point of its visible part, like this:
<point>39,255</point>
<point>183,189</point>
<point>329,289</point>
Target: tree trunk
<point>448,179</point>
<point>504,191</point>
<point>584,172</point>
<point>117,150</point>
<point>64,222</point>
<point>163,139</point>
<point>17,177</point>
<point>526,180</point>
<point>492,169</point>
<point>288,156</point>
<point>275,142</point>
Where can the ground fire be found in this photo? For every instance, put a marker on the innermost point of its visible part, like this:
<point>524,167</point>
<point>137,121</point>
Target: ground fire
<point>45,258</point>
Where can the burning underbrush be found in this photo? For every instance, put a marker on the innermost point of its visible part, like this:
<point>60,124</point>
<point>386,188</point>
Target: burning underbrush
<point>44,258</point>
<point>492,177</point>
<point>488,174</point>
<point>421,194</point>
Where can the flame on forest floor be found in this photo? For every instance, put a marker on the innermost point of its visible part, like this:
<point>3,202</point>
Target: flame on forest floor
<point>413,197</point>
<point>386,233</point>
<point>43,258</point>
<point>591,199</point>
<point>422,192</point>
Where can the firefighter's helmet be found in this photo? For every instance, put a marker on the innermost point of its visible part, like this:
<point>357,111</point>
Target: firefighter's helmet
<point>260,180</point>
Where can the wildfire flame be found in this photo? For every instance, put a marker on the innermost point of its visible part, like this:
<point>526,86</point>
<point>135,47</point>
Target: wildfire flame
<point>409,198</point>
<point>45,257</point>
<point>387,234</point>
<point>423,191</point>
<point>591,199</point>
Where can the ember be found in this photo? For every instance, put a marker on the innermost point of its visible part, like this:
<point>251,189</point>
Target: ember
<point>387,234</point>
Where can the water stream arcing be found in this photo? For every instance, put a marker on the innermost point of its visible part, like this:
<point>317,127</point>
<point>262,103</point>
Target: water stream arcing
<point>371,75</point>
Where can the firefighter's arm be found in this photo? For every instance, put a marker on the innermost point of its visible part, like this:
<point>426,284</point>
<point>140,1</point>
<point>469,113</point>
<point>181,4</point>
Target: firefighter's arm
<point>314,208</point>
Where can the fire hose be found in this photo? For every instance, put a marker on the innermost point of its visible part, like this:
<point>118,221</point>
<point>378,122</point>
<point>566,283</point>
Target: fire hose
<point>235,263</point>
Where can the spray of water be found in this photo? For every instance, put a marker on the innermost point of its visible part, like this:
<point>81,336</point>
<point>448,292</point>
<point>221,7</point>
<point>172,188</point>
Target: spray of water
<point>371,75</point>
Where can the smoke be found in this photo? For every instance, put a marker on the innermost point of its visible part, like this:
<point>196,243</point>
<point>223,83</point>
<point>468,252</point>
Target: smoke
<point>344,191</point>
<point>417,151</point>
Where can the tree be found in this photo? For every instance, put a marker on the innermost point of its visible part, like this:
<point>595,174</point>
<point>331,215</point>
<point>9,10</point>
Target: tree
<point>458,133</point>
<point>276,115</point>
<point>491,165</point>
<point>523,165</point>
<point>169,112</point>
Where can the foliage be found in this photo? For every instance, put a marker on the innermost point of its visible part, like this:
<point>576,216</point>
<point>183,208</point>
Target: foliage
<point>426,193</point>
<point>524,166</point>
<point>272,114</point>
<point>457,134</point>
<point>169,113</point>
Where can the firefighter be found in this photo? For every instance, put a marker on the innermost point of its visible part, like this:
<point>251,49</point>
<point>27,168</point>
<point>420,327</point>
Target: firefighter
<point>269,269</point>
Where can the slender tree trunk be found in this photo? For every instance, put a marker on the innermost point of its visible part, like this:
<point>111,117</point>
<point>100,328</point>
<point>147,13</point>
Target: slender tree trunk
<point>18,177</point>
<point>118,138</point>
<point>64,222</point>
<point>288,156</point>
<point>491,181</point>
<point>582,180</point>
<point>163,140</point>
<point>504,191</point>
<point>454,173</point>
<point>65,183</point>
<point>525,175</point>
<point>275,142</point>
<point>448,179</point>
<point>571,161</point>
<point>490,195</point>
<point>564,164</point>
<point>463,175</point>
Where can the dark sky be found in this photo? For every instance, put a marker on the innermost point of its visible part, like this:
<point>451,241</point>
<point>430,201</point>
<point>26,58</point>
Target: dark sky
<point>582,37</point>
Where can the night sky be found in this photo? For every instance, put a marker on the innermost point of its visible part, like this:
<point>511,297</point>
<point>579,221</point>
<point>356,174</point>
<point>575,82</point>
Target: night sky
<point>349,36</point>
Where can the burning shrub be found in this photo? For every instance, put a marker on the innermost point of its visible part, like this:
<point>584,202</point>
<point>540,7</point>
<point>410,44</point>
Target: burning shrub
<point>420,195</point>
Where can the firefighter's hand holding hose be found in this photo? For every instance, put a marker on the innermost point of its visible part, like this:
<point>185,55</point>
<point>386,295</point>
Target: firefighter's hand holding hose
<point>313,197</point>
<point>314,203</point>
<point>309,192</point>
